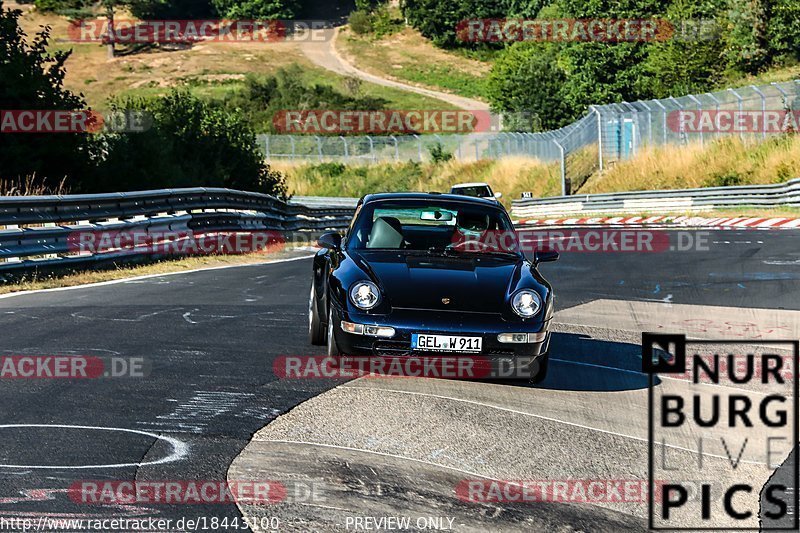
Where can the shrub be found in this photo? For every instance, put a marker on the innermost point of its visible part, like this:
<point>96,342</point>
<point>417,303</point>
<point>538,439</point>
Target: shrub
<point>360,22</point>
<point>439,154</point>
<point>190,143</point>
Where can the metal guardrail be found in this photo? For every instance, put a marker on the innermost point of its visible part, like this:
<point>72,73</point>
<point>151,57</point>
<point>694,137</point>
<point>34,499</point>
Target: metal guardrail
<point>36,231</point>
<point>666,201</point>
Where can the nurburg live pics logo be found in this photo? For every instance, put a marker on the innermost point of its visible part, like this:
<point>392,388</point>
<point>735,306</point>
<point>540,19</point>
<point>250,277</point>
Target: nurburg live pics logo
<point>735,427</point>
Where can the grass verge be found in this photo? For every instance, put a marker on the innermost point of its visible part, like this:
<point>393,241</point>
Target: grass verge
<point>510,176</point>
<point>30,282</point>
<point>408,57</point>
<point>724,162</point>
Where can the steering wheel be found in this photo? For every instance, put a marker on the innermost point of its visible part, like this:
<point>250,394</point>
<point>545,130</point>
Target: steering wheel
<point>462,244</point>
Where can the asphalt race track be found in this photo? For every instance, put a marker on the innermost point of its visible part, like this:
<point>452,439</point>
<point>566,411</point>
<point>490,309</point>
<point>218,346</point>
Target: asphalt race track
<point>208,341</point>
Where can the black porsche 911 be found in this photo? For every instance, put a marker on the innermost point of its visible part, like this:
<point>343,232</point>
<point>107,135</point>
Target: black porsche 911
<point>427,274</point>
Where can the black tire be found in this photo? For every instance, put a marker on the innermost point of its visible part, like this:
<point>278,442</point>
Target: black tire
<point>541,363</point>
<point>316,329</point>
<point>333,348</point>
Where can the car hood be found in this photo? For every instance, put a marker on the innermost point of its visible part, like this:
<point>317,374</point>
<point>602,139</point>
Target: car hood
<point>420,281</point>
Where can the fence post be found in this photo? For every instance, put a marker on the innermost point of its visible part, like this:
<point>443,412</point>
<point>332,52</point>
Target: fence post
<point>596,111</point>
<point>563,168</point>
<point>267,155</point>
<point>419,148</point>
<point>291,141</point>
<point>699,108</point>
<point>319,146</point>
<point>716,104</point>
<point>649,121</point>
<point>739,107</point>
<point>680,121</point>
<point>346,151</point>
<point>785,97</point>
<point>664,121</point>
<point>763,109</point>
<point>371,148</point>
<point>636,131</point>
<point>396,148</point>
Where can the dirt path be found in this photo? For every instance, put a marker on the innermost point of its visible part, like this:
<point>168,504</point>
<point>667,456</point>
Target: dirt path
<point>324,54</point>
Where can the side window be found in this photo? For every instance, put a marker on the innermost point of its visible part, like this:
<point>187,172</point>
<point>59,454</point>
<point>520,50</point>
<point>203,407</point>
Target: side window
<point>349,230</point>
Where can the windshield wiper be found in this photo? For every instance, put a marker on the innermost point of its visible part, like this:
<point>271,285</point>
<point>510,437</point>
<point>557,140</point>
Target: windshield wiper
<point>456,252</point>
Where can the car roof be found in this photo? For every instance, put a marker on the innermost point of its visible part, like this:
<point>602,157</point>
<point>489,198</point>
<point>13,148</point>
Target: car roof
<point>432,196</point>
<point>475,184</point>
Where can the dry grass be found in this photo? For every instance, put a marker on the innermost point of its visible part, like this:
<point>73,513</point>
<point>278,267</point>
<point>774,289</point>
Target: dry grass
<point>32,282</point>
<point>206,66</point>
<point>510,176</point>
<point>30,186</point>
<point>724,162</point>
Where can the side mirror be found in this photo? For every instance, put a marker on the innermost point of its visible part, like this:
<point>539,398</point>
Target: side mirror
<point>498,195</point>
<point>545,256</point>
<point>330,240</point>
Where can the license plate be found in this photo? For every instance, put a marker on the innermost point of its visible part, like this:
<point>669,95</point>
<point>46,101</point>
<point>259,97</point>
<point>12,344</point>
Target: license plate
<point>445,343</point>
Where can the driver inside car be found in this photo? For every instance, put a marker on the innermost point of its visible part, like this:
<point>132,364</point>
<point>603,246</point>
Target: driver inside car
<point>471,228</point>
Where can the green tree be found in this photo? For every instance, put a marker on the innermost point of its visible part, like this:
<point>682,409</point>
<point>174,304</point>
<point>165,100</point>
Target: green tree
<point>693,60</point>
<point>746,35</point>
<point>257,9</point>
<point>33,78</point>
<point>526,78</point>
<point>438,20</point>
<point>783,31</point>
<point>189,144</point>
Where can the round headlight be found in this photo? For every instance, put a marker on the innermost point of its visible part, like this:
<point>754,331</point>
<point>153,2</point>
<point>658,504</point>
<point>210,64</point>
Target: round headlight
<point>526,303</point>
<point>365,295</point>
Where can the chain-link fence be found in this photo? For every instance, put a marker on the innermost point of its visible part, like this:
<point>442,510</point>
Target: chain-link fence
<point>608,133</point>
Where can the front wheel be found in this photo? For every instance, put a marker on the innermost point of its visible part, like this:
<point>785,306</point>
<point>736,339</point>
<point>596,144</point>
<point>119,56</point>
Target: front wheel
<point>333,348</point>
<point>316,331</point>
<point>541,372</point>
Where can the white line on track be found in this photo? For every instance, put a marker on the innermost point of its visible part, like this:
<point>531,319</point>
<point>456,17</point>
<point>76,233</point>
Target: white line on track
<point>179,448</point>
<point>660,376</point>
<point>384,454</point>
<point>549,419</point>
<point>148,276</point>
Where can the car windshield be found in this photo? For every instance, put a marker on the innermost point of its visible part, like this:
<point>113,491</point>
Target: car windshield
<point>480,191</point>
<point>429,226</point>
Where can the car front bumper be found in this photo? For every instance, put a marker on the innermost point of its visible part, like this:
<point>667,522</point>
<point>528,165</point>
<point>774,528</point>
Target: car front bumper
<point>496,359</point>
